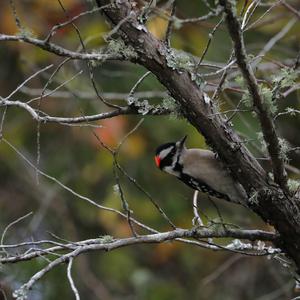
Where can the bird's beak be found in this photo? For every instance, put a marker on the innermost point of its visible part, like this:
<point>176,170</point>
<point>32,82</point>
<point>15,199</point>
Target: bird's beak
<point>157,161</point>
<point>182,141</point>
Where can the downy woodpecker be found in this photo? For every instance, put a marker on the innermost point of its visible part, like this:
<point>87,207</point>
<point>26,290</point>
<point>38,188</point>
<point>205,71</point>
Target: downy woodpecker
<point>200,170</point>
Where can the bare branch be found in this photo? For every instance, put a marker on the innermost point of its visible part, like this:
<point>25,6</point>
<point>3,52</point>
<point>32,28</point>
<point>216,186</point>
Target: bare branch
<point>261,18</point>
<point>126,110</point>
<point>124,202</point>
<point>27,80</point>
<point>249,13</point>
<point>137,84</point>
<point>210,37</point>
<point>2,121</point>
<point>89,95</point>
<point>89,65</point>
<point>43,94</point>
<point>197,219</point>
<point>73,287</point>
<point>109,243</point>
<point>211,14</point>
<point>277,37</point>
<point>10,225</point>
<point>291,9</point>
<point>16,17</point>
<point>61,25</point>
<point>60,51</point>
<point>170,25</point>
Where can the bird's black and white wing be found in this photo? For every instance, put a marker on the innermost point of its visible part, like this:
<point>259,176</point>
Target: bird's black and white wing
<point>202,171</point>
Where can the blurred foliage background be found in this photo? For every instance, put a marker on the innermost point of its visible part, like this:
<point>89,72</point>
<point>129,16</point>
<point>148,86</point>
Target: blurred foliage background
<point>75,157</point>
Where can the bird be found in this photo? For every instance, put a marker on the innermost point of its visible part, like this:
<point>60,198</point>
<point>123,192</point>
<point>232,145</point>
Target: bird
<point>200,169</point>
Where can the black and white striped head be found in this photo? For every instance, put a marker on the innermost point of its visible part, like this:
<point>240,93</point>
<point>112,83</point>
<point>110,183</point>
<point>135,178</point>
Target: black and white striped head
<point>167,157</point>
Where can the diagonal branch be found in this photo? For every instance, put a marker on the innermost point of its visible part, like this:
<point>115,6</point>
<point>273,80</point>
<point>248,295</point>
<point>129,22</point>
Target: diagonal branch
<point>267,124</point>
<point>266,199</point>
<point>155,56</point>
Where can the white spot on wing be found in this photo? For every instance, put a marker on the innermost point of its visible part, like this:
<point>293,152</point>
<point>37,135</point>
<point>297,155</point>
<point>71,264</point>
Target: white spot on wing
<point>206,98</point>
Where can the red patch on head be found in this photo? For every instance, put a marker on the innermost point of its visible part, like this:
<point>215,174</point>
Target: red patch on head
<point>157,160</point>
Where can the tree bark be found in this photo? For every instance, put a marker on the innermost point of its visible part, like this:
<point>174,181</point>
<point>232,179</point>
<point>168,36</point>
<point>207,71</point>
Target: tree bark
<point>265,198</point>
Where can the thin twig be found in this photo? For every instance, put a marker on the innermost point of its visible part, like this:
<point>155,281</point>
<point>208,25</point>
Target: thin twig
<point>210,37</point>
<point>73,287</point>
<point>116,28</point>
<point>248,14</point>
<point>269,45</point>
<point>222,80</point>
<point>26,80</point>
<point>88,95</point>
<point>89,64</point>
<point>2,121</point>
<point>10,225</point>
<point>211,14</point>
<point>16,17</point>
<point>123,200</point>
<point>134,129</point>
<point>262,17</point>
<point>61,25</point>
<point>170,25</point>
<point>291,9</point>
<point>46,95</point>
<point>221,269</point>
<point>137,84</point>
<point>60,51</point>
<point>160,210</point>
<point>197,219</point>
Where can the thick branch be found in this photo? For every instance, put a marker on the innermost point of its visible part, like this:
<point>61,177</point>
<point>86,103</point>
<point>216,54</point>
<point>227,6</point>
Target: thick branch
<point>266,200</point>
<point>153,54</point>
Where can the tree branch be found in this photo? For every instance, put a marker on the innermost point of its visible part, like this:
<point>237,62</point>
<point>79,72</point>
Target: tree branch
<point>267,124</point>
<point>58,50</point>
<point>266,199</point>
<point>109,243</point>
<point>126,110</point>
